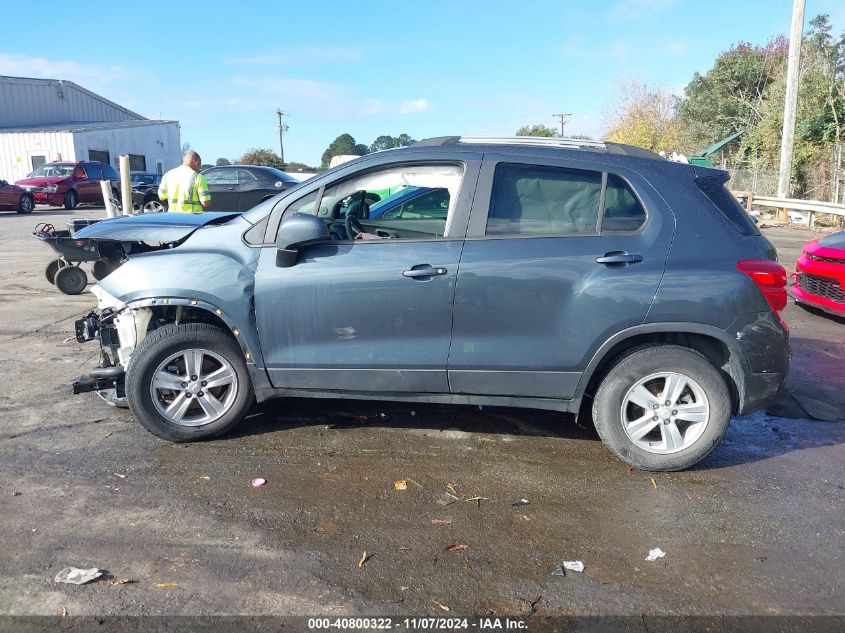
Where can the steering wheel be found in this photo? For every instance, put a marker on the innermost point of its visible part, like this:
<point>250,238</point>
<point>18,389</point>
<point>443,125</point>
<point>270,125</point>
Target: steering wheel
<point>353,226</point>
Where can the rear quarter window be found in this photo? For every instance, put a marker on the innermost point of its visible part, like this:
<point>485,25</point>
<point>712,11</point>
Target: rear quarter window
<point>724,201</point>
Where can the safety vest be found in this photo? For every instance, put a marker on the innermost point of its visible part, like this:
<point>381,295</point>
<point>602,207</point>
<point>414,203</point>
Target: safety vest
<point>184,190</point>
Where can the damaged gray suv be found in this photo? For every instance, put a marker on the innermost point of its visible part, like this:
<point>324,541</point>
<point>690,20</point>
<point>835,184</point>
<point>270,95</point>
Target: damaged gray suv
<point>578,276</point>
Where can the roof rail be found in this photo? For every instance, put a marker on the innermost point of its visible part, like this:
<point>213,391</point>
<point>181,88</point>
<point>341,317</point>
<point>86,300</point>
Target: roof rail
<point>533,140</point>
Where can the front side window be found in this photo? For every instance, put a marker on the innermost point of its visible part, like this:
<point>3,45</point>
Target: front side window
<point>222,177</point>
<point>245,177</point>
<point>306,204</point>
<point>406,202</point>
<point>540,200</point>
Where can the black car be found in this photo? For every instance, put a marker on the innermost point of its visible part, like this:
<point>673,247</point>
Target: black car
<point>145,192</point>
<point>241,187</point>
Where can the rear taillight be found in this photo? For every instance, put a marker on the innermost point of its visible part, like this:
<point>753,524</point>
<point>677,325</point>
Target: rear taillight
<point>770,278</point>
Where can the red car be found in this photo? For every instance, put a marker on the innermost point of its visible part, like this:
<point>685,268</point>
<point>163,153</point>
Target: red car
<point>13,198</point>
<point>69,184</point>
<point>820,274</point>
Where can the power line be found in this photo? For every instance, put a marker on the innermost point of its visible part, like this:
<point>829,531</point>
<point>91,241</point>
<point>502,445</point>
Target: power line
<point>283,127</point>
<point>563,117</point>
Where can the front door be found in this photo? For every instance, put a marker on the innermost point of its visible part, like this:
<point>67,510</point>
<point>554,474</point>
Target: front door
<point>223,187</point>
<point>557,259</point>
<point>366,315</point>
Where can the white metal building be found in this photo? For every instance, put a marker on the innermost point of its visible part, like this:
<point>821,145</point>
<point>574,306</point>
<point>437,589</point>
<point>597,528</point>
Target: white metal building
<point>43,120</point>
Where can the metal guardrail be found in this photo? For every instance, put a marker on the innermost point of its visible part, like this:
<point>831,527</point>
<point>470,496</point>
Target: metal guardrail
<point>811,207</point>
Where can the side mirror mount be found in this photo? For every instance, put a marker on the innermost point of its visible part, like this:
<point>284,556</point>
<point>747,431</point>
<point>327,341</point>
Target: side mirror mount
<point>297,231</point>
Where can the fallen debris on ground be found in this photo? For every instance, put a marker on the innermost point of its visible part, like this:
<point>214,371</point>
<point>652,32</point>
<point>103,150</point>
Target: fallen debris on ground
<point>76,576</point>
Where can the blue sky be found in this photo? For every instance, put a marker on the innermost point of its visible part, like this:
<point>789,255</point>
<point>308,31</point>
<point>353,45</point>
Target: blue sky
<point>383,67</point>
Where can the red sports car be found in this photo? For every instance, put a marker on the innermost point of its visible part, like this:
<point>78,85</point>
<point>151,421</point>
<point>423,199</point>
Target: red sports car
<point>820,274</point>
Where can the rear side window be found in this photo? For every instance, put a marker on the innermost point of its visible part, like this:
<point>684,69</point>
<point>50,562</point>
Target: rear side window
<point>622,209</point>
<point>109,173</point>
<point>538,200</point>
<point>727,205</point>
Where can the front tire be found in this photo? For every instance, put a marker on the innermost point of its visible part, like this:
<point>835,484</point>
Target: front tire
<point>188,382</point>
<point>633,419</point>
<point>71,199</point>
<point>152,206</point>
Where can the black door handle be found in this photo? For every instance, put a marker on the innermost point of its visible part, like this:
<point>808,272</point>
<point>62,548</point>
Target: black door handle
<point>424,270</point>
<point>619,258</point>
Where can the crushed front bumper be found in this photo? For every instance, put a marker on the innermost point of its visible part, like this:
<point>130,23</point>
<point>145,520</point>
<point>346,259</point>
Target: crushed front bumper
<point>107,379</point>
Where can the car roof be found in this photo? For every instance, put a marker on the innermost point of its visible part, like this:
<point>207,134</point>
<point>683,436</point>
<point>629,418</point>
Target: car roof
<point>542,145</point>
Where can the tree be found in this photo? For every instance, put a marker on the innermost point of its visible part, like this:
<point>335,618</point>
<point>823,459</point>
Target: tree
<point>265,157</point>
<point>343,145</point>
<point>644,116</point>
<point>222,162</point>
<point>298,167</point>
<point>185,147</point>
<point>729,97</point>
<point>536,130</point>
<point>389,142</point>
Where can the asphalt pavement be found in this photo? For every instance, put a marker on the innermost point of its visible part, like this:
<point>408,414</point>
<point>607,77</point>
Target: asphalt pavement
<point>756,529</point>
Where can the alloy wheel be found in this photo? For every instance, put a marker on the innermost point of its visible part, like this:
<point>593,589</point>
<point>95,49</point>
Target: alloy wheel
<point>194,387</point>
<point>665,412</point>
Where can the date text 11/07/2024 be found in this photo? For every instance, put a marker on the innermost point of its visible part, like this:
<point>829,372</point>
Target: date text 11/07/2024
<point>418,624</point>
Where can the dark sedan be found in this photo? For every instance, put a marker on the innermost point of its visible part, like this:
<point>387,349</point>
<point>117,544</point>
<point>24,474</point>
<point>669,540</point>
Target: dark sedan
<point>241,187</point>
<point>145,192</point>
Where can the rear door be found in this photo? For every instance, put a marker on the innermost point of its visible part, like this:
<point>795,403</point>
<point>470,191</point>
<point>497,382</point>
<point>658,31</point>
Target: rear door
<point>223,186</point>
<point>558,258</point>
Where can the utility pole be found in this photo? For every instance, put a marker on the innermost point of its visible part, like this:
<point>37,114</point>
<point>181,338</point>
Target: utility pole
<point>282,129</point>
<point>563,117</point>
<point>796,35</point>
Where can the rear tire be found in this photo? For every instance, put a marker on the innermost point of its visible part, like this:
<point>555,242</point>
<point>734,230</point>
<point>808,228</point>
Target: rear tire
<point>171,342</point>
<point>71,199</point>
<point>702,406</point>
<point>71,280</point>
<point>26,204</point>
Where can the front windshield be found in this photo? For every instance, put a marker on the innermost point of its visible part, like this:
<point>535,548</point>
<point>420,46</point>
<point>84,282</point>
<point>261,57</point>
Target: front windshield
<point>52,171</point>
<point>143,179</point>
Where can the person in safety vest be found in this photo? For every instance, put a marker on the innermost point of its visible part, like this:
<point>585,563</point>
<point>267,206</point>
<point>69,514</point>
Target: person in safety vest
<point>184,189</point>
